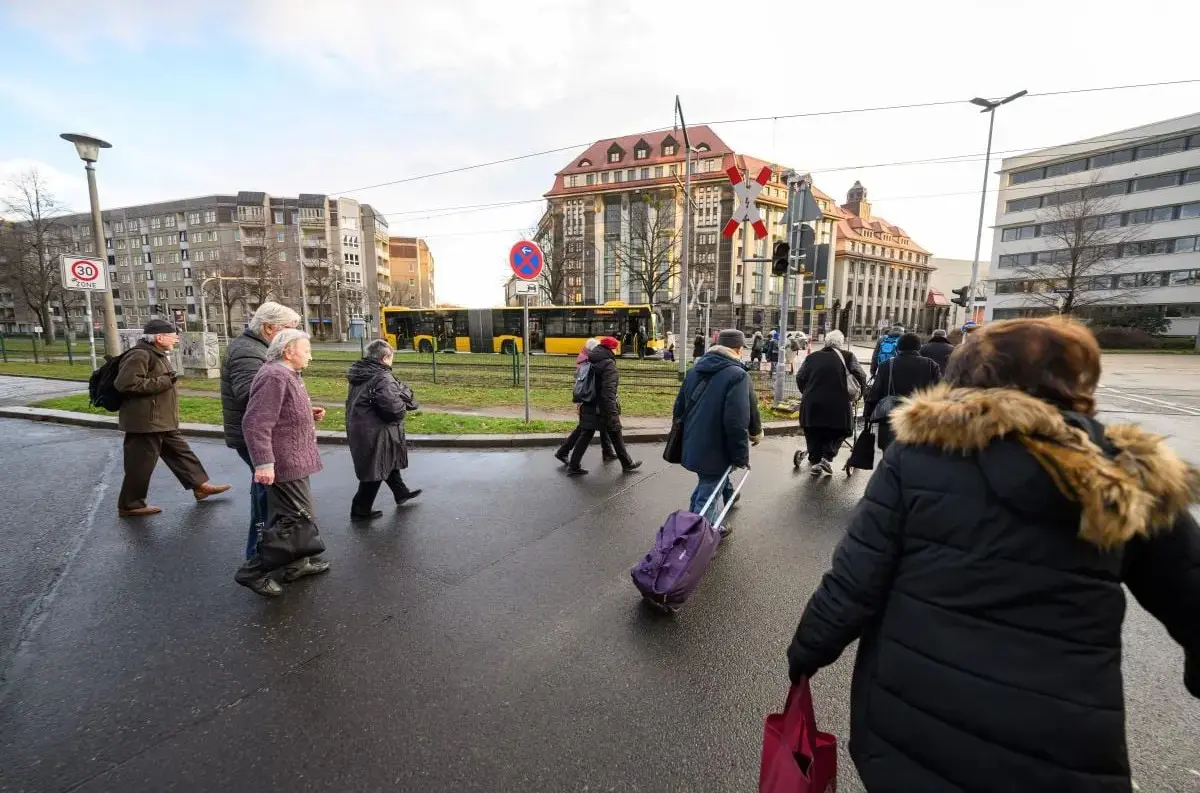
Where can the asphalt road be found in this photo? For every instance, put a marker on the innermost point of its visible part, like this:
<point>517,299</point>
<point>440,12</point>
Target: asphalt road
<point>483,638</point>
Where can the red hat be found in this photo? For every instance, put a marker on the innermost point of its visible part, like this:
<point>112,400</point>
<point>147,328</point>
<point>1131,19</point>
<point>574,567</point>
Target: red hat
<point>610,343</point>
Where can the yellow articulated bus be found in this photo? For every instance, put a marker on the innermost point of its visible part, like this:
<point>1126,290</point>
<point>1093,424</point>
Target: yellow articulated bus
<point>557,330</point>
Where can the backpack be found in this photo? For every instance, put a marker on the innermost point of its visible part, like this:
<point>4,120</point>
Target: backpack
<point>585,384</point>
<point>887,349</point>
<point>102,385</point>
<point>758,344</point>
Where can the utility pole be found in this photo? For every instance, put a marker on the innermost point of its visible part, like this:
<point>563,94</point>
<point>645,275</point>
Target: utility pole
<point>685,252</point>
<point>793,181</point>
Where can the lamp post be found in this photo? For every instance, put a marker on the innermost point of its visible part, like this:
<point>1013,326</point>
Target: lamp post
<point>88,149</point>
<point>989,106</point>
<point>220,279</point>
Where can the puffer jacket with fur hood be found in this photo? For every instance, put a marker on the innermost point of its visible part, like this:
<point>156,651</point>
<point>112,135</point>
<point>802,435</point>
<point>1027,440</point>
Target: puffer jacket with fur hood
<point>982,573</point>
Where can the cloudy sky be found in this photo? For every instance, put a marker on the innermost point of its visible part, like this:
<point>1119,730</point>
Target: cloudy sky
<point>287,97</point>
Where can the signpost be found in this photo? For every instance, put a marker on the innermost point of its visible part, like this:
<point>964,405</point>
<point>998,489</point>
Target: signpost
<point>87,275</point>
<point>526,260</point>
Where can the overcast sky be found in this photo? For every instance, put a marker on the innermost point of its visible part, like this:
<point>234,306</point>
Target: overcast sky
<point>286,96</point>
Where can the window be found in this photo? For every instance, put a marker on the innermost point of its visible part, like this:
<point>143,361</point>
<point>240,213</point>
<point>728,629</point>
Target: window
<point>1111,158</point>
<point>646,173</point>
<point>1062,168</point>
<point>1018,260</point>
<point>614,156</point>
<point>1022,204</point>
<point>1160,148</point>
<point>1189,211</point>
<point>173,258</point>
<point>1185,244</point>
<point>199,257</point>
<point>183,236</point>
<point>631,175</point>
<point>658,172</point>
<point>1151,279</point>
<point>283,256</point>
<point>1191,176</point>
<point>279,236</point>
<point>184,254</point>
<point>590,179</point>
<point>156,223</point>
<point>278,217</point>
<point>1162,213</point>
<point>187,273</point>
<point>169,221</point>
<point>1019,233</point>
<point>1181,277</point>
<point>641,154</point>
<point>193,218</point>
<point>1155,182</point>
<point>1148,248</point>
<point>668,149</point>
<point>1032,175</point>
<point>158,258</point>
<point>604,177</point>
<point>120,245</point>
<point>210,216</point>
<point>617,176</point>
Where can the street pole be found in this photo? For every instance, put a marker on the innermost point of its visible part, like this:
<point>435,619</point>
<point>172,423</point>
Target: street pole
<point>112,343</point>
<point>686,248</point>
<point>525,344</point>
<point>989,106</point>
<point>224,311</point>
<point>303,274</point>
<point>204,308</point>
<point>790,225</point>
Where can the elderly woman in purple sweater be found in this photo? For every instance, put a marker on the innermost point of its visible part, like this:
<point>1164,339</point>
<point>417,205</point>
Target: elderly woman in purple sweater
<point>281,437</point>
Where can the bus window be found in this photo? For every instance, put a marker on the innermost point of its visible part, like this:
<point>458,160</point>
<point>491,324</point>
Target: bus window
<point>554,321</point>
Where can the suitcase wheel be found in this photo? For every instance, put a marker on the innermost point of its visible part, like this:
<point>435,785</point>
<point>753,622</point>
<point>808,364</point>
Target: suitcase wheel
<point>797,458</point>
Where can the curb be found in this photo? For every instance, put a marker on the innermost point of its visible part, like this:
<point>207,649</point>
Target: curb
<point>333,438</point>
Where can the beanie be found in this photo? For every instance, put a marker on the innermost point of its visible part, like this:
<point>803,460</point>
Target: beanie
<point>156,326</point>
<point>909,342</point>
<point>609,342</point>
<point>940,333</point>
<point>732,338</point>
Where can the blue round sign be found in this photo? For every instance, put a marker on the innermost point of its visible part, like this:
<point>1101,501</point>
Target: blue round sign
<point>526,260</point>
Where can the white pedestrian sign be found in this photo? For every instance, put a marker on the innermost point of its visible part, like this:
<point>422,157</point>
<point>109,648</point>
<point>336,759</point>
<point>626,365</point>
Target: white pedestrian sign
<point>84,274</point>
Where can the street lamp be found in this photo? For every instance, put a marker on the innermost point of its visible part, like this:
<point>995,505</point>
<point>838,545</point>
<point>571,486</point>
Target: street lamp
<point>989,106</point>
<point>89,151</point>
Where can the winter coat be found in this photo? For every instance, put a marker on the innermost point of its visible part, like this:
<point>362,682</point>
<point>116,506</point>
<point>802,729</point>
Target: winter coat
<point>938,350</point>
<point>825,400</point>
<point>982,575</point>
<point>375,410</point>
<point>900,376</point>
<point>604,412</point>
<point>878,345</point>
<point>245,356</point>
<point>719,420</point>
<point>698,347</point>
<point>149,401</point>
<point>756,345</point>
<point>278,424</point>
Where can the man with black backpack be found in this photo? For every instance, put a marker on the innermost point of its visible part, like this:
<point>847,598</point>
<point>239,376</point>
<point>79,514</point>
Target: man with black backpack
<point>886,348</point>
<point>719,411</point>
<point>599,409</point>
<point>150,420</point>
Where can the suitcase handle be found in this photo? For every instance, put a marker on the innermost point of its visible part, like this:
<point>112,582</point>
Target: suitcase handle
<point>733,498</point>
<point>717,489</point>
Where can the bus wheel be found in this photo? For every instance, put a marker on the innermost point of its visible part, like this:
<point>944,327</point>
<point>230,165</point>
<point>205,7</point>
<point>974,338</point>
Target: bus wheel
<point>425,346</point>
<point>508,347</point>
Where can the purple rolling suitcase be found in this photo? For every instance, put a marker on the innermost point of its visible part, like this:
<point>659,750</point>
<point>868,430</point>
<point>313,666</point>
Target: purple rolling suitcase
<point>685,545</point>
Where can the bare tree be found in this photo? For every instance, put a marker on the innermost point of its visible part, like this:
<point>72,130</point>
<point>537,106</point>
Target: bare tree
<point>650,253</point>
<point>1085,239</point>
<point>225,293</point>
<point>320,279</point>
<point>35,215</point>
<point>268,268</point>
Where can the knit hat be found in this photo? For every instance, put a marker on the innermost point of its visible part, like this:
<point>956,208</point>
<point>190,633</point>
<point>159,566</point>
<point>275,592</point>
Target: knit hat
<point>909,342</point>
<point>157,326</point>
<point>610,343</point>
<point>940,333</point>
<point>732,338</point>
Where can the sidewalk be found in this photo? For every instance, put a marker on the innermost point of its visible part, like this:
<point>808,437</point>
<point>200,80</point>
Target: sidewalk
<point>23,390</point>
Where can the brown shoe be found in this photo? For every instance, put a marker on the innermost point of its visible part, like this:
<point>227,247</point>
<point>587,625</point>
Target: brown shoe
<point>208,489</point>
<point>140,512</point>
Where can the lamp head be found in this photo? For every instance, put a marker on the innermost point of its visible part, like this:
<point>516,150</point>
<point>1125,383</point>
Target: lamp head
<point>87,146</point>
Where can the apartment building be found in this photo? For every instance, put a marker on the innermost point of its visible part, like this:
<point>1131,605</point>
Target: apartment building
<point>1102,225</point>
<point>413,271</point>
<point>247,247</point>
<point>622,196</point>
<point>881,277</point>
<point>377,268</point>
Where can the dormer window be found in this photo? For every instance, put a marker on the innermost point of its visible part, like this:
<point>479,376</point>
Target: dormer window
<point>615,153</point>
<point>669,150</point>
<point>585,163</point>
<point>641,150</point>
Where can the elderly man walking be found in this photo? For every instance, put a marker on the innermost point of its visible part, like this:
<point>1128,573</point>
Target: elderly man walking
<point>245,356</point>
<point>280,434</point>
<point>375,409</point>
<point>149,418</point>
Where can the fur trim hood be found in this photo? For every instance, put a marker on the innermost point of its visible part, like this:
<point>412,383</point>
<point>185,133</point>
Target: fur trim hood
<point>1134,486</point>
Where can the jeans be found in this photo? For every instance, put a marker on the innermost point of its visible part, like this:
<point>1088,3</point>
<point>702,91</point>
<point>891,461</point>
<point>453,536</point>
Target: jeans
<point>258,505</point>
<point>704,489</point>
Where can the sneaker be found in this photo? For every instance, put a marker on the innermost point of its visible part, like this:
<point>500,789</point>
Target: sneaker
<point>407,496</point>
<point>576,471</point>
<point>631,467</point>
<point>561,457</point>
<point>310,566</point>
<point>375,513</point>
<point>826,467</point>
<point>815,469</point>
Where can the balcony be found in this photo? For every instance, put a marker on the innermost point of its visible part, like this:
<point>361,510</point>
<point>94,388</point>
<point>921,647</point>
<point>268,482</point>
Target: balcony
<point>312,220</point>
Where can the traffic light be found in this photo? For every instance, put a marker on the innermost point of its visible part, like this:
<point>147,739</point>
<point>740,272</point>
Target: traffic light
<point>779,258</point>
<point>807,254</point>
<point>961,297</point>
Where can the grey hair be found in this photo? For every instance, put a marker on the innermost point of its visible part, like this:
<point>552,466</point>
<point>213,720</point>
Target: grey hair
<point>150,337</point>
<point>379,349</point>
<point>836,339</point>
<point>272,313</point>
<point>284,339</point>
<point>591,344</point>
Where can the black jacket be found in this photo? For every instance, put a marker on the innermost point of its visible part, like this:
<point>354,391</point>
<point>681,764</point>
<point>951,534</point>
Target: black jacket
<point>938,350</point>
<point>718,421</point>
<point>245,355</point>
<point>825,400</point>
<point>376,405</point>
<point>986,595</point>
<point>900,376</point>
<point>603,413</point>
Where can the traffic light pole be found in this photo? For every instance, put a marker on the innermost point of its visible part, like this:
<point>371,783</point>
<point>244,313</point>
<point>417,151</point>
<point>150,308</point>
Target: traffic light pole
<point>793,254</point>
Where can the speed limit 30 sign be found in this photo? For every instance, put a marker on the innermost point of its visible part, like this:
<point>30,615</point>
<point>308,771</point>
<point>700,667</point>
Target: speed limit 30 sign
<point>84,274</point>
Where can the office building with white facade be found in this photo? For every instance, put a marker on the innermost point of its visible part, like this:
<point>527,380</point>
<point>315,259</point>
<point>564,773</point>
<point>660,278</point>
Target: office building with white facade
<point>1135,195</point>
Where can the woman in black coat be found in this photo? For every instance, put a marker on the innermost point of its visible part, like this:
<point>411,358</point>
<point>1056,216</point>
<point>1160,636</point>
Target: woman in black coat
<point>982,576</point>
<point>604,412</point>
<point>898,377</point>
<point>375,410</point>
<point>826,413</point>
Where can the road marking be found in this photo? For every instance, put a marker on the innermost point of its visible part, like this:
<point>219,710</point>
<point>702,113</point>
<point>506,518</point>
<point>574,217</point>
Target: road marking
<point>1185,410</point>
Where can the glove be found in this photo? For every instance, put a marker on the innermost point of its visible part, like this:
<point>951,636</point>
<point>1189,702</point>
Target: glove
<point>174,377</point>
<point>755,439</point>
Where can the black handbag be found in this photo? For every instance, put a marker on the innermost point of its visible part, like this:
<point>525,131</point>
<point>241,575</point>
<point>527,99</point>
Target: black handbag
<point>291,537</point>
<point>862,454</point>
<point>673,451</point>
